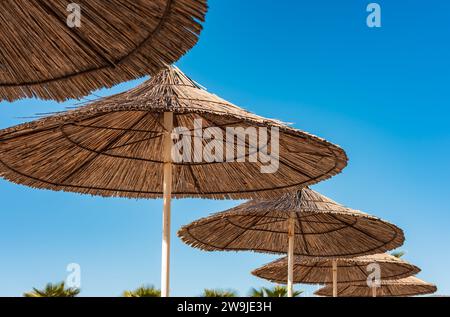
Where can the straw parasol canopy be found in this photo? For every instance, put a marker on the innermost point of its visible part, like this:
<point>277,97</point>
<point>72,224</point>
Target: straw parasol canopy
<point>351,270</point>
<point>123,146</point>
<point>114,147</point>
<point>410,286</point>
<point>45,53</point>
<point>322,228</point>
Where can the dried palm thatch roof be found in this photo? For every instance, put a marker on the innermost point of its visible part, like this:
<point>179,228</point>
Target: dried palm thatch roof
<point>410,286</point>
<point>113,147</point>
<point>350,270</point>
<point>323,228</point>
<point>118,40</point>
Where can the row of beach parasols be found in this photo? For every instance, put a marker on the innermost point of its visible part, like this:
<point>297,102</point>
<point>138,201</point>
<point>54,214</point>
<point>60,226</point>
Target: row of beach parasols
<point>325,242</point>
<point>121,146</point>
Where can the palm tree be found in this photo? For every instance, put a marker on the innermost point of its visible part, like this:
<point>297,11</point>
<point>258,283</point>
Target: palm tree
<point>398,254</point>
<point>276,291</point>
<point>257,292</point>
<point>143,291</point>
<point>54,290</point>
<point>218,293</point>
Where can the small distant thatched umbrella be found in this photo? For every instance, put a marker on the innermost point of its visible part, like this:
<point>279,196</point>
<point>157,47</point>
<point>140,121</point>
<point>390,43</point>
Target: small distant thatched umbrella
<point>325,271</point>
<point>46,53</point>
<point>410,286</point>
<point>121,146</point>
<point>303,223</point>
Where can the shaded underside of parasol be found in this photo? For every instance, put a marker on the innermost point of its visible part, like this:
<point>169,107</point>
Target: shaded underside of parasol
<point>323,228</point>
<point>350,270</point>
<point>117,40</point>
<point>410,286</point>
<point>113,147</point>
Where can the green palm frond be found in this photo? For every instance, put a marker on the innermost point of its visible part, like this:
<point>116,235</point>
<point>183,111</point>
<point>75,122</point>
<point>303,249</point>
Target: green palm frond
<point>398,254</point>
<point>276,291</point>
<point>143,291</point>
<point>256,292</point>
<point>53,290</point>
<point>218,293</point>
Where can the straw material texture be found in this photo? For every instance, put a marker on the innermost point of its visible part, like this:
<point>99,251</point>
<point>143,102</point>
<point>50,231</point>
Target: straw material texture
<point>350,270</point>
<point>118,40</point>
<point>410,286</point>
<point>323,228</point>
<point>113,147</point>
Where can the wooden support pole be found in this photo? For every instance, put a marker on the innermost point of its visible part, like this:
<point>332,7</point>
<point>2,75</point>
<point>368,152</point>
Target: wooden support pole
<point>291,236</point>
<point>335,272</point>
<point>167,196</point>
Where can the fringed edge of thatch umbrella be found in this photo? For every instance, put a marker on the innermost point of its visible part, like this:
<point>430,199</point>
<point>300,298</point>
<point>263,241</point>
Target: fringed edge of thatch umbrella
<point>17,178</point>
<point>281,264</point>
<point>176,34</point>
<point>417,286</point>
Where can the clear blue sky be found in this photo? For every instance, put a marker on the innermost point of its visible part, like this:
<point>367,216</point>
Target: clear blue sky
<point>382,94</point>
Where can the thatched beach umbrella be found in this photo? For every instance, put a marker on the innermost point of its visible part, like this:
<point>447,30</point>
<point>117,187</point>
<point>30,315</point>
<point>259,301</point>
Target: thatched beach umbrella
<point>410,286</point>
<point>61,49</point>
<point>337,271</point>
<point>303,223</point>
<point>121,146</point>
